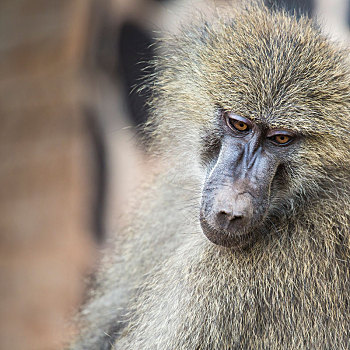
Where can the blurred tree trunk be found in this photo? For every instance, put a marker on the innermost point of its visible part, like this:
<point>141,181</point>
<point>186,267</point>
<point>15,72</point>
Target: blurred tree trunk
<point>45,244</point>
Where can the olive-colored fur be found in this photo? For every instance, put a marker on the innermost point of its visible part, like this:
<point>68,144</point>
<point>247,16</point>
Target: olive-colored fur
<point>171,288</point>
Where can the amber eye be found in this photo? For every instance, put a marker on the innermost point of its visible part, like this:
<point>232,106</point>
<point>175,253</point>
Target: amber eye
<point>282,139</point>
<point>240,126</point>
<point>237,123</point>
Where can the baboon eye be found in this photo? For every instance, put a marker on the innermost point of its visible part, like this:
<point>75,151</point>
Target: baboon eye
<point>281,138</point>
<point>237,123</point>
<point>240,126</point>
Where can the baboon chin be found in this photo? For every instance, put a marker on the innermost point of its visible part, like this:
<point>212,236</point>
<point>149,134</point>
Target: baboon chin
<point>243,243</point>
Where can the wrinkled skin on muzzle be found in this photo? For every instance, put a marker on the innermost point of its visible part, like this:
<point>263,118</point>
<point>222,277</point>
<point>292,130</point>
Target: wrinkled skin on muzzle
<point>236,192</point>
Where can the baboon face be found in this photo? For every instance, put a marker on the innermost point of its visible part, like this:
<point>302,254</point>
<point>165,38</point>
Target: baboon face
<point>237,189</point>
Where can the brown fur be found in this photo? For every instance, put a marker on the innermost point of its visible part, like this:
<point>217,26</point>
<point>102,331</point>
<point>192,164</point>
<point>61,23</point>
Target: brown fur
<point>291,289</point>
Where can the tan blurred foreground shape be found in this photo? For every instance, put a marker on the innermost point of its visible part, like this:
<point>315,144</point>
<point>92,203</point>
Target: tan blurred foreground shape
<point>45,243</point>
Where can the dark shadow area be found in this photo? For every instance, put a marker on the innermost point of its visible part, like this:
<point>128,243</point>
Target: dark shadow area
<point>301,7</point>
<point>135,52</point>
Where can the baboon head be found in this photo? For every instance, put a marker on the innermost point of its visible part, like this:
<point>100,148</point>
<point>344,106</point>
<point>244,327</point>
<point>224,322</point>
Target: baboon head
<point>265,103</point>
<point>283,114</point>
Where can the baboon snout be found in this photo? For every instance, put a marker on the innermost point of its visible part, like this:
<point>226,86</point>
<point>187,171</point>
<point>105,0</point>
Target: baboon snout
<point>227,217</point>
<point>235,196</point>
<point>232,214</point>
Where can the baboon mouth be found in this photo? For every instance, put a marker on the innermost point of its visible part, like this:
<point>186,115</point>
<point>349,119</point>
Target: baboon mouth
<point>241,240</point>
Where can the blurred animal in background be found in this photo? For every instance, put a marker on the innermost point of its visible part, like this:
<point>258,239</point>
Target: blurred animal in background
<point>243,241</point>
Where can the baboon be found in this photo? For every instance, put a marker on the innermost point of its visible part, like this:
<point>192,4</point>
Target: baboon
<point>243,241</point>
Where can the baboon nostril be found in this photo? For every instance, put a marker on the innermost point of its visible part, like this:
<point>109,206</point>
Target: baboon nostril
<point>230,216</point>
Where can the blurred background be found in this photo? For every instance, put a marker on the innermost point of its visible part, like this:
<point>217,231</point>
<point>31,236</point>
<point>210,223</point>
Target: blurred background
<point>71,151</point>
